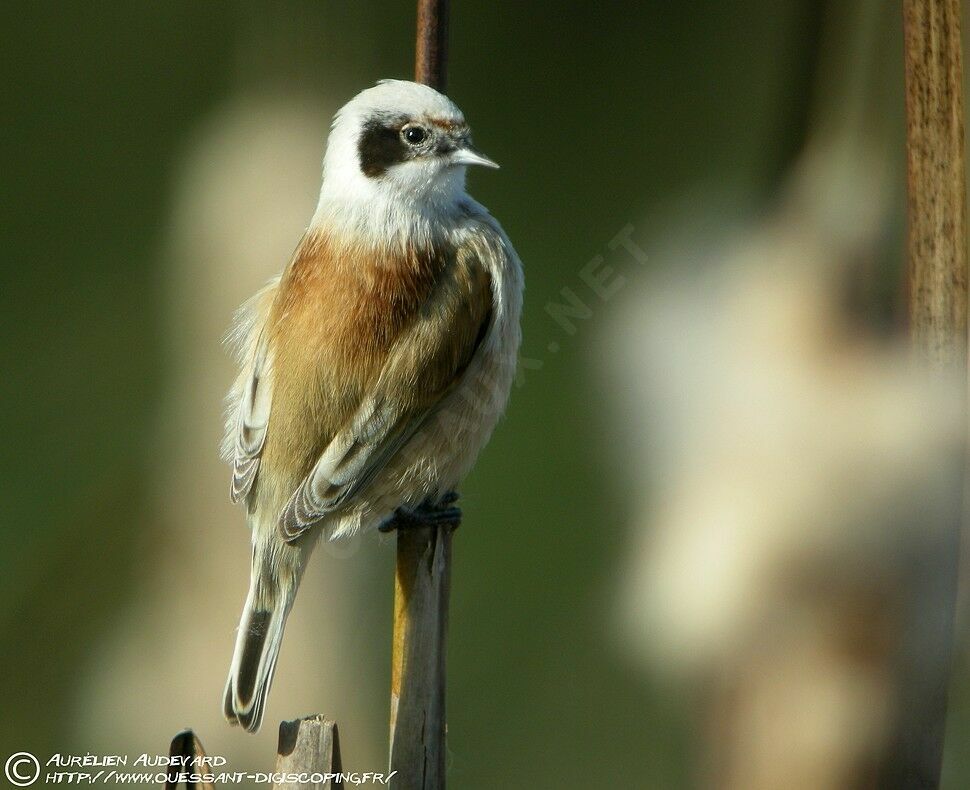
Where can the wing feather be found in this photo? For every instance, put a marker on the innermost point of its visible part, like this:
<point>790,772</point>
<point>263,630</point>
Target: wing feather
<point>251,398</point>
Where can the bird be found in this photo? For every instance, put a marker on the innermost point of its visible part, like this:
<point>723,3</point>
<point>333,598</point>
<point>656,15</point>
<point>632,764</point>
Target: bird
<point>374,368</point>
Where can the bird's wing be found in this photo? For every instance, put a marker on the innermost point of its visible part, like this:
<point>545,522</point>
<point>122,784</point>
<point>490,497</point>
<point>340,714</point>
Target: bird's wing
<point>425,363</point>
<point>251,398</point>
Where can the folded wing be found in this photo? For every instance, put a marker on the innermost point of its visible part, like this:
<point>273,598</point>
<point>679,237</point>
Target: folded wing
<point>425,363</point>
<point>251,398</point>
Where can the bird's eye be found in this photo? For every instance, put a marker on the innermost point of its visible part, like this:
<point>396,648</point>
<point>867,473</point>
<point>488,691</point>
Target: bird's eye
<point>414,135</point>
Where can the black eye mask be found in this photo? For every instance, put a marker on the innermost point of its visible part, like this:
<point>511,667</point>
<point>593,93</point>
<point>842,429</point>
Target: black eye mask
<point>380,146</point>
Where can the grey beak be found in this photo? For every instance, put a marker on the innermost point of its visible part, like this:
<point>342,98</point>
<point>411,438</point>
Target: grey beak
<point>469,156</point>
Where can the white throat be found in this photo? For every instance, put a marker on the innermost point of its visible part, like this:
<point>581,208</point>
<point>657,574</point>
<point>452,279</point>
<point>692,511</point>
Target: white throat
<point>382,211</point>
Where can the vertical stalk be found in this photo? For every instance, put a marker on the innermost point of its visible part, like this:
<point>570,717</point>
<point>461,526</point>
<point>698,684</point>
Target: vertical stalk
<point>431,48</point>
<point>423,572</point>
<point>421,596</point>
<point>935,171</point>
<point>938,326</point>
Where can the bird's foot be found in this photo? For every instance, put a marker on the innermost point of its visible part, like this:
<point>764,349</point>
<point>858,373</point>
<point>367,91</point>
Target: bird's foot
<point>440,514</point>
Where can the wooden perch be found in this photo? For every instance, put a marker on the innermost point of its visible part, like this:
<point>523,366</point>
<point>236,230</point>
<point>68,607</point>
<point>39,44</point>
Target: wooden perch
<point>423,572</point>
<point>935,170</point>
<point>308,746</point>
<point>421,594</point>
<point>187,746</point>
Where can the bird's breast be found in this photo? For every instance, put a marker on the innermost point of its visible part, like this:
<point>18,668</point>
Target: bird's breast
<point>339,309</point>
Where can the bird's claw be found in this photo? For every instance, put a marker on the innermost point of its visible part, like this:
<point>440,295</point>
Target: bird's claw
<point>440,514</point>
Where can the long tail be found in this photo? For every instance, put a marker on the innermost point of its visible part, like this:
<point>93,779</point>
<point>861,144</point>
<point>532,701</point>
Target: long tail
<point>258,646</point>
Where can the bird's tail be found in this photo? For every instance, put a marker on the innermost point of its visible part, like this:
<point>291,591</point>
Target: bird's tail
<point>258,645</point>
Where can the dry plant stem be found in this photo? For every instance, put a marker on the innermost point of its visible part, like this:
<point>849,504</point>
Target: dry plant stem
<point>935,169</point>
<point>186,746</point>
<point>421,595</point>
<point>308,746</point>
<point>431,50</point>
<point>423,572</point>
<point>938,325</point>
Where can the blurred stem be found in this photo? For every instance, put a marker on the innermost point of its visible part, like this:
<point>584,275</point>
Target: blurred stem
<point>794,125</point>
<point>938,327</point>
<point>853,34</point>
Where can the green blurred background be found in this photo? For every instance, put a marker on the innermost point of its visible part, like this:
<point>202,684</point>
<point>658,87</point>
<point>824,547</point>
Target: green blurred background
<point>601,116</point>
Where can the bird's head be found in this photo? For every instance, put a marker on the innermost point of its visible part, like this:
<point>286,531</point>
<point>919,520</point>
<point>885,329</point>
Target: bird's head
<point>401,141</point>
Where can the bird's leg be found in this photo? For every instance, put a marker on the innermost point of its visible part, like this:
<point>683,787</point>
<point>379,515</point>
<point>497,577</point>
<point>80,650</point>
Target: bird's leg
<point>441,514</point>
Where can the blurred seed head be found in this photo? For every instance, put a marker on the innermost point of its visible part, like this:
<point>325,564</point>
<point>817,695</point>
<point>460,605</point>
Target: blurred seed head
<point>795,467</point>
